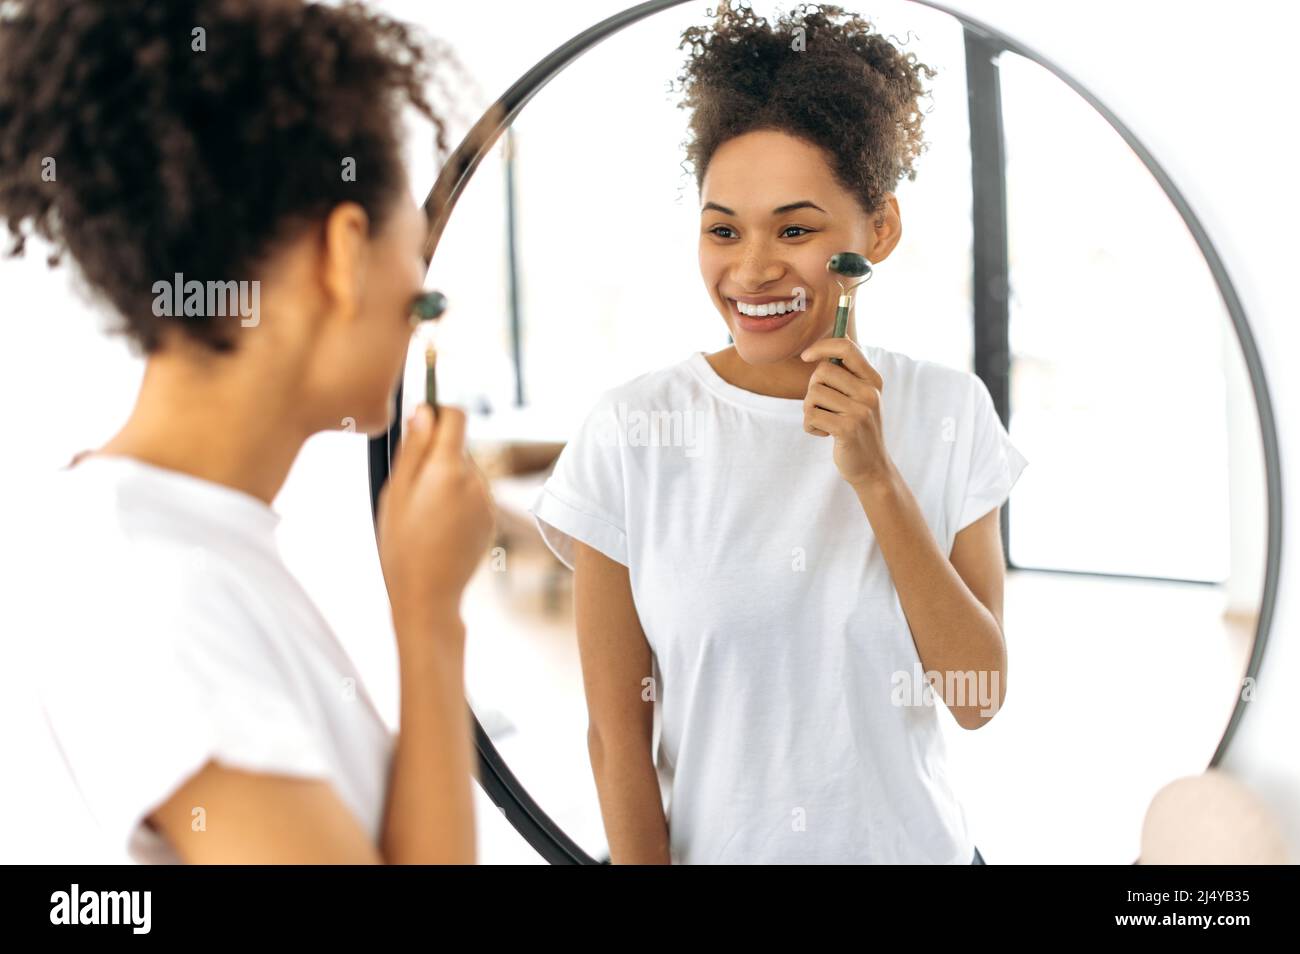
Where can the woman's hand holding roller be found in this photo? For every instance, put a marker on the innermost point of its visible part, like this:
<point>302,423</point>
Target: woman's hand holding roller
<point>844,401</point>
<point>436,518</point>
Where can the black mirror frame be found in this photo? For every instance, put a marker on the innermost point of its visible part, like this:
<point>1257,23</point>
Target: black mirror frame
<point>494,775</point>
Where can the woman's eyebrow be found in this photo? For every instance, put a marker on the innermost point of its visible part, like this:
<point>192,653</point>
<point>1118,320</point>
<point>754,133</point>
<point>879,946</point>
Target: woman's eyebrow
<point>779,210</point>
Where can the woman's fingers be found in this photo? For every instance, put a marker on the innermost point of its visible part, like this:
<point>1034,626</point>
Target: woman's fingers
<point>821,423</point>
<point>842,379</point>
<point>821,395</point>
<point>449,438</point>
<point>412,448</point>
<point>847,351</point>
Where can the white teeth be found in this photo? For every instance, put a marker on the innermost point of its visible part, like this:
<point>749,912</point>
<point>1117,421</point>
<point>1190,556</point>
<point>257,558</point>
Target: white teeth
<point>765,311</point>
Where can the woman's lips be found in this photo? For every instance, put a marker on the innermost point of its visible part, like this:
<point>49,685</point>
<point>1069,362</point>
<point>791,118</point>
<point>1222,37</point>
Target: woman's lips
<point>770,323</point>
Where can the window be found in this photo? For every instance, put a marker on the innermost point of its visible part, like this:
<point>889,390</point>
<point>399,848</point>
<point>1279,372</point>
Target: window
<point>1118,391</point>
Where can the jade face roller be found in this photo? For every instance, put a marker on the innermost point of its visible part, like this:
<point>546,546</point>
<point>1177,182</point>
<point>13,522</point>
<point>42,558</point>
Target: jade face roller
<point>429,307</point>
<point>850,265</point>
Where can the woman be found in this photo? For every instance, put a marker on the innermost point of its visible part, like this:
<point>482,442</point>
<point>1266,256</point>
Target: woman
<point>201,707</point>
<point>759,609</point>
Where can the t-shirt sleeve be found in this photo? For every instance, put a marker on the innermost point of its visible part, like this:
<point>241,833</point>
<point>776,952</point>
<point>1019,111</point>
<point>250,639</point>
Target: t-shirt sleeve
<point>583,497</point>
<point>147,680</point>
<point>995,463</point>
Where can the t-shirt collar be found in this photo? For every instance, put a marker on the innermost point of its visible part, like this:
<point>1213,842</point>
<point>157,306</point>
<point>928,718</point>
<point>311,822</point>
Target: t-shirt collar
<point>208,496</point>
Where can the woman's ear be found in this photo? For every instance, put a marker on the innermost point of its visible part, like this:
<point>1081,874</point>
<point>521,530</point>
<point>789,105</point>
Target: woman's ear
<point>887,229</point>
<point>343,259</point>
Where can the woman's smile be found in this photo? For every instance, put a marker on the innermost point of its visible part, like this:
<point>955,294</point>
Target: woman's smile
<point>766,314</point>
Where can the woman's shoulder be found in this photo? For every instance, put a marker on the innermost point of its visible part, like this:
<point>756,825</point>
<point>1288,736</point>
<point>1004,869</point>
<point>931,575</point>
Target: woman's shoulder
<point>98,556</point>
<point>923,378</point>
<point>659,387</point>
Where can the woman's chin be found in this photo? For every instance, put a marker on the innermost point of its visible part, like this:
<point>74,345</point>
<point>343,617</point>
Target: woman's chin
<point>375,424</point>
<point>788,340</point>
<point>765,351</point>
<point>768,347</point>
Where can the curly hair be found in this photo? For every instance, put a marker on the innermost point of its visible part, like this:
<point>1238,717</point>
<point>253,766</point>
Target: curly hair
<point>192,136</point>
<point>819,74</point>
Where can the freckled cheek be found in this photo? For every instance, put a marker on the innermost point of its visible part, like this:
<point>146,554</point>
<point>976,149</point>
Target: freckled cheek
<point>712,272</point>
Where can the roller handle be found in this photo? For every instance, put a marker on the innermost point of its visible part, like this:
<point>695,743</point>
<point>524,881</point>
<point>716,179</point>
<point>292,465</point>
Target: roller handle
<point>841,323</point>
<point>431,380</point>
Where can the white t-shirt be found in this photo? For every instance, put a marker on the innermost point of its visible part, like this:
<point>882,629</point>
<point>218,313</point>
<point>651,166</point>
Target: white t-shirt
<point>774,625</point>
<point>162,629</point>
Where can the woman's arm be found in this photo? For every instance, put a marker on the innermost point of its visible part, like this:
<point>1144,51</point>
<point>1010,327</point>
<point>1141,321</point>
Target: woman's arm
<point>953,605</point>
<point>435,519</point>
<point>257,818</point>
<point>430,813</point>
<point>253,818</point>
<point>615,662</point>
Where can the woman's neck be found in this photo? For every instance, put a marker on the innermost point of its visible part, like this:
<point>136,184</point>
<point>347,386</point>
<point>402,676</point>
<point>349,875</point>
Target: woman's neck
<point>783,379</point>
<point>217,422</point>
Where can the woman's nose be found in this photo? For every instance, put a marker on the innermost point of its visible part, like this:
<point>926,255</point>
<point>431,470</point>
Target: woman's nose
<point>757,268</point>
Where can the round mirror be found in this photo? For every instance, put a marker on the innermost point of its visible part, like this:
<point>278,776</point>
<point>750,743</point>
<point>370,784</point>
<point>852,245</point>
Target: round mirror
<point>1013,328</point>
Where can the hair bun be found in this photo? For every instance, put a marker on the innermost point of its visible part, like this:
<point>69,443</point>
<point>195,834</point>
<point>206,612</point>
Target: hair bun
<point>819,73</point>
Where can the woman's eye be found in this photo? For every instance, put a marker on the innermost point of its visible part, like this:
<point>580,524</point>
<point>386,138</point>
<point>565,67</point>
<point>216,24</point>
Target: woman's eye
<point>799,231</point>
